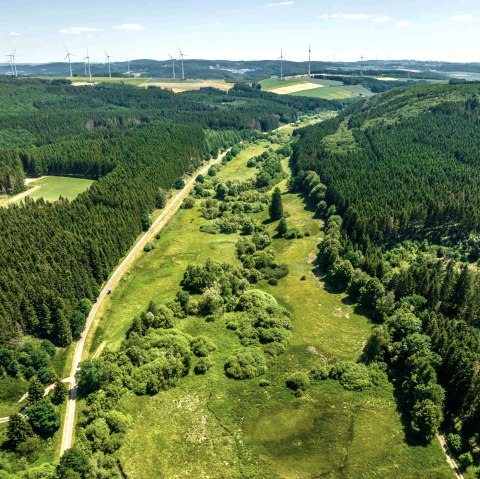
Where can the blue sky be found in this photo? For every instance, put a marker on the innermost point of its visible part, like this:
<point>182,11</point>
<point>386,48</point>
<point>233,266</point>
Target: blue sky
<point>248,29</point>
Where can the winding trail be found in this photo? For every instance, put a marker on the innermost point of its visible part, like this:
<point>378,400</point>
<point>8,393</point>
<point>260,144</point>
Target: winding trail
<point>158,224</point>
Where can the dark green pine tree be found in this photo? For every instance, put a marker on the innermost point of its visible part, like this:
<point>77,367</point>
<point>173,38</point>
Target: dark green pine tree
<point>461,292</point>
<point>282,228</point>
<point>276,206</point>
<point>35,391</point>
<point>448,287</point>
<point>18,430</point>
<point>60,392</point>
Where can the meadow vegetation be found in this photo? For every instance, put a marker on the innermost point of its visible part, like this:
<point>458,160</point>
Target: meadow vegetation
<point>266,381</point>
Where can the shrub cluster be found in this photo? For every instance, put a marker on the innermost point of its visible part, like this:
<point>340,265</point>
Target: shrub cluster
<point>260,322</point>
<point>246,363</point>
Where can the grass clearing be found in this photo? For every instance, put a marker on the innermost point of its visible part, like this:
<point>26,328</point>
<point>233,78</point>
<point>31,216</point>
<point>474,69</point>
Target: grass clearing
<point>285,90</point>
<point>314,88</point>
<point>179,86</point>
<point>327,93</point>
<point>50,188</point>
<point>212,426</point>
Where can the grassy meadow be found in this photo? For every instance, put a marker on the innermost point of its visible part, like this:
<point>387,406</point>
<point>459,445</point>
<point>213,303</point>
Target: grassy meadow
<point>50,188</point>
<point>310,87</point>
<point>212,426</point>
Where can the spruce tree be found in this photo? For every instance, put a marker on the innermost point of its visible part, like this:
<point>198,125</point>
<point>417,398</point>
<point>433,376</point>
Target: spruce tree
<point>276,206</point>
<point>60,392</point>
<point>282,228</point>
<point>35,391</point>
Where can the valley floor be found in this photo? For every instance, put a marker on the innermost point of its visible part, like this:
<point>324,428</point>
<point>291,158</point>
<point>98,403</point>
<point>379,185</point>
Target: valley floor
<point>214,427</point>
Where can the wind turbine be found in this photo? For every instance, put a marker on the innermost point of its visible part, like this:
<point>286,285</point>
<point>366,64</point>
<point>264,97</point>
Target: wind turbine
<point>107,60</point>
<point>68,55</point>
<point>128,66</point>
<point>361,66</point>
<point>173,65</point>
<point>309,61</point>
<point>281,58</point>
<point>87,66</point>
<point>13,63</point>
<point>181,59</point>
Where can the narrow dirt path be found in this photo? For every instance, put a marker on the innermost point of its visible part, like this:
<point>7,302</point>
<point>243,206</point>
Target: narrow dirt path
<point>158,224</point>
<point>449,456</point>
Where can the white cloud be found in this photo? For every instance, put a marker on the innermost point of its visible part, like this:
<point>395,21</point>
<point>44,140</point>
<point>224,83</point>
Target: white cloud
<point>404,23</point>
<point>77,30</point>
<point>384,19</point>
<point>279,4</point>
<point>465,17</point>
<point>129,26</point>
<point>356,16</point>
<point>347,16</point>
<point>15,34</point>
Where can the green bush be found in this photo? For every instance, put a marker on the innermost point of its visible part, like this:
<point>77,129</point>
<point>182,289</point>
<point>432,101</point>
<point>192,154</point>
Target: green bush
<point>117,421</point>
<point>203,365</point>
<point>352,376</point>
<point>246,364</point>
<point>202,346</point>
<point>455,442</point>
<point>320,373</point>
<point>149,247</point>
<point>298,380</point>
<point>188,203</point>
<point>465,460</point>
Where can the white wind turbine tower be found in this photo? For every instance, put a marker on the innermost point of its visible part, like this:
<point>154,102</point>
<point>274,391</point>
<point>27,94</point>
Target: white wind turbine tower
<point>68,55</point>
<point>281,58</point>
<point>173,65</point>
<point>309,61</point>
<point>13,63</point>
<point>87,66</point>
<point>107,60</point>
<point>181,59</point>
<point>128,66</point>
<point>361,66</point>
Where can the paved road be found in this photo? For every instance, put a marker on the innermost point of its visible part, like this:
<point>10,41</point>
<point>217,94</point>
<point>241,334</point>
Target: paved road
<point>159,223</point>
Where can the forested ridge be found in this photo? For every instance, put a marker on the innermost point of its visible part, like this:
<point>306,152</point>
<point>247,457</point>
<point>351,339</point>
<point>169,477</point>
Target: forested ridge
<point>407,174</point>
<point>135,142</point>
<point>397,181</point>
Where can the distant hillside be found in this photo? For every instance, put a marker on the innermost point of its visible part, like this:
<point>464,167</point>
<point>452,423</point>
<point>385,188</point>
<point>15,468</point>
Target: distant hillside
<point>234,70</point>
<point>403,164</point>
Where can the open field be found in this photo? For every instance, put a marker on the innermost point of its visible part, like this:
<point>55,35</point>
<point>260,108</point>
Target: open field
<point>95,79</point>
<point>309,87</point>
<point>50,189</point>
<point>178,86</point>
<point>212,426</point>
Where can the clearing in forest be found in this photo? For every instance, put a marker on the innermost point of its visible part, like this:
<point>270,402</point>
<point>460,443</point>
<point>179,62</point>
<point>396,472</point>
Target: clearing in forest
<point>50,188</point>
